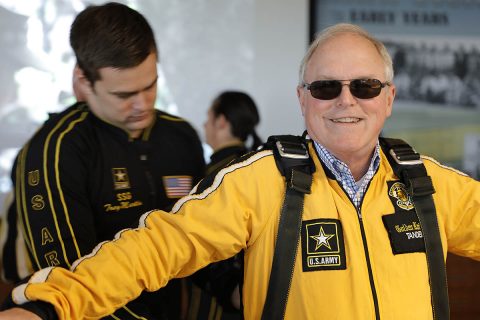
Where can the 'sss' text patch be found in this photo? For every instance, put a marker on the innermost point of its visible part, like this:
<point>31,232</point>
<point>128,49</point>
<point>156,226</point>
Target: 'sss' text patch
<point>322,245</point>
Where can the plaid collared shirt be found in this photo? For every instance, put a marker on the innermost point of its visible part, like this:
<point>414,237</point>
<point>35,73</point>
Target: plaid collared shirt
<point>355,190</point>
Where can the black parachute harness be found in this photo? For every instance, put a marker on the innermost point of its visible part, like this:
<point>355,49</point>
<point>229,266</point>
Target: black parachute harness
<point>295,164</point>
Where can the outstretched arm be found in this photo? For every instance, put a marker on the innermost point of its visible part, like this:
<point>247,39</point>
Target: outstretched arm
<point>164,246</point>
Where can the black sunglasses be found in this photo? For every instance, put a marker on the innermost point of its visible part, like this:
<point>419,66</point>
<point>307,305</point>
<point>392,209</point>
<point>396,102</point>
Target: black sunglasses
<point>360,88</point>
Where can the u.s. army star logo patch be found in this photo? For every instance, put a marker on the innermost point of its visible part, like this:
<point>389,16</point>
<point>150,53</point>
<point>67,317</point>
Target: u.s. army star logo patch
<point>120,178</point>
<point>322,245</point>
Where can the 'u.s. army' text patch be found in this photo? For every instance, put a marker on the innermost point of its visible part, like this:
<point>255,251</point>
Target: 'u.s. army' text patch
<point>322,245</point>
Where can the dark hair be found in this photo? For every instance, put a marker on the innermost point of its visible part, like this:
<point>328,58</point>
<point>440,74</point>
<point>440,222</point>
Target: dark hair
<point>240,110</point>
<point>110,35</point>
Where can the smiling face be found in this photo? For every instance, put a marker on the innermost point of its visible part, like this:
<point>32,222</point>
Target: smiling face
<point>124,98</point>
<point>347,126</point>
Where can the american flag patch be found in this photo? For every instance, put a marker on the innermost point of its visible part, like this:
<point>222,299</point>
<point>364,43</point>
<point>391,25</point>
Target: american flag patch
<point>177,186</point>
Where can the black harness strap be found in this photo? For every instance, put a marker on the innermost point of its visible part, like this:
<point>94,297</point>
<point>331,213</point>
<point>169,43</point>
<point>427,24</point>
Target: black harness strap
<point>408,166</point>
<point>294,162</point>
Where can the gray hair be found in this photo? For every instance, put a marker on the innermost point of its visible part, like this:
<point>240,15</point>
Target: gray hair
<point>342,28</point>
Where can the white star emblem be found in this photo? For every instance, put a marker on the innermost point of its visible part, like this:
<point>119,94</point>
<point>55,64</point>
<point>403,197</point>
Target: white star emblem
<point>120,176</point>
<point>322,239</point>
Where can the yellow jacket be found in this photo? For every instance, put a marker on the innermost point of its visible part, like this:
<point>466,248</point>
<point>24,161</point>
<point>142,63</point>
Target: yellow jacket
<point>345,266</point>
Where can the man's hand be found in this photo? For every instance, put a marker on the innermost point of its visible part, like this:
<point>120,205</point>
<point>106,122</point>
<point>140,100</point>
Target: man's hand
<point>18,314</point>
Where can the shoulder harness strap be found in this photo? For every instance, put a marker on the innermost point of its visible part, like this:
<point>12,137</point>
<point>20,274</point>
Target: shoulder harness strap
<point>408,166</point>
<point>294,162</point>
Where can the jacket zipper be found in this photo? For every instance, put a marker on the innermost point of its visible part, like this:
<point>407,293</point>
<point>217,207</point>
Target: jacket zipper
<point>367,254</point>
<point>369,265</point>
<point>364,240</point>
<point>150,180</point>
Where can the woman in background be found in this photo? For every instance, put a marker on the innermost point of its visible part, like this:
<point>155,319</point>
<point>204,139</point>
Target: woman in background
<point>230,131</point>
<point>232,119</point>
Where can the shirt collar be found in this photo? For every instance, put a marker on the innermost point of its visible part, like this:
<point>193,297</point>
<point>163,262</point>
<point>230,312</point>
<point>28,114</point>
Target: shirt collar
<point>340,168</point>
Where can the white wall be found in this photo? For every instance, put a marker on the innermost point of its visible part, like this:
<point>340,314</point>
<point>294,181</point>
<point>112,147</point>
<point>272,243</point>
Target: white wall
<point>281,39</point>
<point>251,45</point>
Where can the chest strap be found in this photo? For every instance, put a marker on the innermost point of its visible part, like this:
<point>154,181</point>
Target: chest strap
<point>294,162</point>
<point>409,168</point>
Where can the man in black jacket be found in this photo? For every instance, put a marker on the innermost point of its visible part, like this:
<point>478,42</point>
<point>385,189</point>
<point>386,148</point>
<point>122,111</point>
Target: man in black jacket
<point>95,168</point>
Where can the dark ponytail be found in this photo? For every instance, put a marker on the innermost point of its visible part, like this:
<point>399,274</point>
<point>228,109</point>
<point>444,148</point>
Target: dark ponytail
<point>241,112</point>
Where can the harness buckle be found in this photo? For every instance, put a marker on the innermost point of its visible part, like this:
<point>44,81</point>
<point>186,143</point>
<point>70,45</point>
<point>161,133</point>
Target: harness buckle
<point>292,150</point>
<point>407,159</point>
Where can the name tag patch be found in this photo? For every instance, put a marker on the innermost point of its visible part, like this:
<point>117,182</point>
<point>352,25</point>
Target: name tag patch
<point>405,232</point>
<point>322,245</point>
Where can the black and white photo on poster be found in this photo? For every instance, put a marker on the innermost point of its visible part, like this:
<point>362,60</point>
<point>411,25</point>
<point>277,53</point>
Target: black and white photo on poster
<point>436,56</point>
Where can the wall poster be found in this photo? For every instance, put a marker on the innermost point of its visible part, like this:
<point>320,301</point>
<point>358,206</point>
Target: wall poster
<point>436,56</point>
